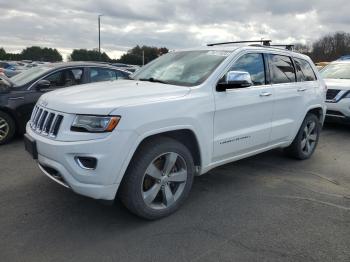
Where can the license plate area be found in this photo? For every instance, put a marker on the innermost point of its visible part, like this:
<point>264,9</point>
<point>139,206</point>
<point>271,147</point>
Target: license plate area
<point>30,146</point>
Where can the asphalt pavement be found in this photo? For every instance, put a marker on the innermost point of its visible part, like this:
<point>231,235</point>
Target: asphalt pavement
<point>264,208</point>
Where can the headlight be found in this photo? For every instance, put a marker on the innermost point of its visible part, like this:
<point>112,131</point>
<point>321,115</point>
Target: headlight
<point>95,124</point>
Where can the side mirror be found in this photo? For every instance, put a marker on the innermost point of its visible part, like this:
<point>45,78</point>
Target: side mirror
<point>235,79</point>
<point>43,84</point>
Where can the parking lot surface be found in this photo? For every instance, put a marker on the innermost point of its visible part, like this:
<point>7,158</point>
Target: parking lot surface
<point>265,208</point>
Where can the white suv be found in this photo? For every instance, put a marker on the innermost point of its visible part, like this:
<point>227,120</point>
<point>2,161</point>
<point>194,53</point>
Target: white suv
<point>337,78</point>
<point>143,140</point>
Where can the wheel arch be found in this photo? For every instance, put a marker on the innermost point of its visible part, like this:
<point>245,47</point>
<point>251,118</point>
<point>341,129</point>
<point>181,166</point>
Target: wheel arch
<point>318,111</point>
<point>184,135</point>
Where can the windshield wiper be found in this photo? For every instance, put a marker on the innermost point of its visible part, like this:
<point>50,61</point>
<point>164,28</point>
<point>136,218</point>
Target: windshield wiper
<point>151,79</point>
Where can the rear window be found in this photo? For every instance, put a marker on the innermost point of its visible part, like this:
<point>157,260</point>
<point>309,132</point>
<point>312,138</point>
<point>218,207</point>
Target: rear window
<point>304,70</point>
<point>282,69</point>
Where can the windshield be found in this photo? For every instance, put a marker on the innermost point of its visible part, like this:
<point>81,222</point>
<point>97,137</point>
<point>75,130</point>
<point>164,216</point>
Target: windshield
<point>336,71</point>
<point>188,68</point>
<point>29,75</point>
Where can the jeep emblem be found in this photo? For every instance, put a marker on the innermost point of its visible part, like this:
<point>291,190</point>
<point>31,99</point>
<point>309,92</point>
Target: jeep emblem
<point>43,103</point>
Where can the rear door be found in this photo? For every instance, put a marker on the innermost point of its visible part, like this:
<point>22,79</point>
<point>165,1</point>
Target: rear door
<point>289,102</point>
<point>242,121</point>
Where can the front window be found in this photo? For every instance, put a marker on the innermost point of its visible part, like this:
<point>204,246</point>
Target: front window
<point>29,75</point>
<point>187,68</point>
<point>254,65</point>
<point>336,71</point>
<point>65,78</point>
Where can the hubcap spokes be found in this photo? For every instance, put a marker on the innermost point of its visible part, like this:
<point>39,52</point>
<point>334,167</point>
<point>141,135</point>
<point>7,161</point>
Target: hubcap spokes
<point>4,128</point>
<point>164,180</point>
<point>309,139</point>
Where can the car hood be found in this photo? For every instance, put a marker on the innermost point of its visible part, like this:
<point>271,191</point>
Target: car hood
<point>102,98</point>
<point>341,84</point>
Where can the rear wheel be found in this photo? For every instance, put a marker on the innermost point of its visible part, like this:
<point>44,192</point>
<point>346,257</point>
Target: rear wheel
<point>158,179</point>
<point>7,128</point>
<point>306,141</point>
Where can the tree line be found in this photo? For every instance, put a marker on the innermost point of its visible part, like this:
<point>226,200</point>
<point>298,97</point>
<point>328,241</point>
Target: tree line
<point>327,48</point>
<point>34,53</point>
<point>136,56</point>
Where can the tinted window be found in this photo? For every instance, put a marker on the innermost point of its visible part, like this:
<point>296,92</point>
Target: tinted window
<point>121,75</point>
<point>65,78</point>
<point>282,69</point>
<point>304,70</point>
<point>56,79</point>
<point>254,65</point>
<point>102,74</point>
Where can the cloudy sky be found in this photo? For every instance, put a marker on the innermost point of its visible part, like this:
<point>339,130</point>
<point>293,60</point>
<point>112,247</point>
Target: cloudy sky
<point>70,24</point>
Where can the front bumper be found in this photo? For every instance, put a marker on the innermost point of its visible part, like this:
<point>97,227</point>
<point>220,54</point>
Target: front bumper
<point>57,160</point>
<point>339,111</point>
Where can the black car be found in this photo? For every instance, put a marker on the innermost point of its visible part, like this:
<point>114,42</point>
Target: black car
<point>19,94</point>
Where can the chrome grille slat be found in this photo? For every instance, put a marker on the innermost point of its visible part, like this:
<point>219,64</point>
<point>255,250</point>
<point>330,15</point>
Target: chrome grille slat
<point>52,125</point>
<point>45,122</point>
<point>36,118</point>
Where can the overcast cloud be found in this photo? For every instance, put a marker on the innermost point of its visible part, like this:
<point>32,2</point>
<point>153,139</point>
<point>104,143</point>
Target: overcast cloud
<point>70,24</point>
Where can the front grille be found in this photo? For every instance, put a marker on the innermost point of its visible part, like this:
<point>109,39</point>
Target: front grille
<point>45,122</point>
<point>332,93</point>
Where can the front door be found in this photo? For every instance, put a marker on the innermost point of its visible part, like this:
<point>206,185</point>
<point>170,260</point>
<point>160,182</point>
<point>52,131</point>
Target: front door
<point>242,121</point>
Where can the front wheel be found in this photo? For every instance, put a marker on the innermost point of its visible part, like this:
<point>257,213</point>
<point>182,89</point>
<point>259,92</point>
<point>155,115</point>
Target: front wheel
<point>158,179</point>
<point>306,141</point>
<point>7,128</point>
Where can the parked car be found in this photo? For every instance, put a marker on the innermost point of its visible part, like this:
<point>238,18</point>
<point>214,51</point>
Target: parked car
<point>344,57</point>
<point>337,77</point>
<point>130,68</point>
<point>143,140</point>
<point>17,100</point>
<point>9,68</point>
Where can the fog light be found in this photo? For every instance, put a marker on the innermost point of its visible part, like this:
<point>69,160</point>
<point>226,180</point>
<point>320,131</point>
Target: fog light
<point>88,163</point>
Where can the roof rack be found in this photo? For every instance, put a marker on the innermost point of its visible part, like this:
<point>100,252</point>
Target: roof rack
<point>263,42</point>
<point>288,47</point>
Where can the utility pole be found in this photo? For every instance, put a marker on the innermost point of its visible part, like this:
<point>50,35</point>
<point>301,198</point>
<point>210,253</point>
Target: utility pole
<point>99,34</point>
<point>143,57</point>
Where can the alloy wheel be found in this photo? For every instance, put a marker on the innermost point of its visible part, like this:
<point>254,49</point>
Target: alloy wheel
<point>309,138</point>
<point>4,129</point>
<point>164,181</point>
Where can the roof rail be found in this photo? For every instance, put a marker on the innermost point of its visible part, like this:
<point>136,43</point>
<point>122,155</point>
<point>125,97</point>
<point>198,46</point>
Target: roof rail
<point>288,47</point>
<point>264,42</point>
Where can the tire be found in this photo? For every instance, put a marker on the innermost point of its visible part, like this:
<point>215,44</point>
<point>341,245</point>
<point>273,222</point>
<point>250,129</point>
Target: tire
<point>155,167</point>
<point>7,128</point>
<point>306,141</point>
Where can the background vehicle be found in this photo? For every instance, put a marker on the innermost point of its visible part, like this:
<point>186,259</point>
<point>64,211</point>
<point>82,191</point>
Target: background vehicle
<point>19,97</point>
<point>337,78</point>
<point>130,68</point>
<point>344,57</point>
<point>143,140</point>
<point>10,68</point>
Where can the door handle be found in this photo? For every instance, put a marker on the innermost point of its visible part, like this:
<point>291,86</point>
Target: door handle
<point>263,94</point>
<point>302,89</point>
